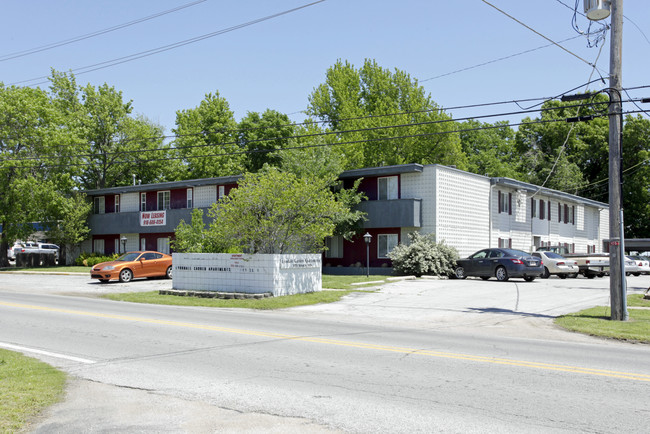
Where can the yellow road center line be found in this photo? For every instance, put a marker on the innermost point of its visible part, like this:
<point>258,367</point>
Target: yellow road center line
<point>403,350</point>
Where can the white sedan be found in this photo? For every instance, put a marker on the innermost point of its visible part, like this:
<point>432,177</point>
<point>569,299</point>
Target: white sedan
<point>557,264</point>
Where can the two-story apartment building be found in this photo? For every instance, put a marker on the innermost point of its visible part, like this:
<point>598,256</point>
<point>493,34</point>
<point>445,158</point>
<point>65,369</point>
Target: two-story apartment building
<point>465,210</point>
<point>144,217</point>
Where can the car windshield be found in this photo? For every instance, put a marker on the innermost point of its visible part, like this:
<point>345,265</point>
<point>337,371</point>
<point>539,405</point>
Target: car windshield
<point>129,256</point>
<point>553,255</point>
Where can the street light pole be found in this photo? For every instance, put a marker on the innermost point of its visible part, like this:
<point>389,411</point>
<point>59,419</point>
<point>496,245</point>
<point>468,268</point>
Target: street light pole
<point>367,238</point>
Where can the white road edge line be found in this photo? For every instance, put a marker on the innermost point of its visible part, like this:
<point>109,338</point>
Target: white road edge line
<point>44,353</point>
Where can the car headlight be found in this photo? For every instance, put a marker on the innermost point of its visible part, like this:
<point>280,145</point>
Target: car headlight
<point>108,267</point>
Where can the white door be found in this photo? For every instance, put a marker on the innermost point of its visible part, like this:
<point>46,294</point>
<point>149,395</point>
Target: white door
<point>143,244</point>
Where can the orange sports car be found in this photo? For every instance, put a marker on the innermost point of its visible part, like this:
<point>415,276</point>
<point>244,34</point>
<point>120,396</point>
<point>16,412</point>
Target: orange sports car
<point>133,265</point>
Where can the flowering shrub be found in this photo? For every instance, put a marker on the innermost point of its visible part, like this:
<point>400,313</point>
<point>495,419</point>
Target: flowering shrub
<point>422,255</point>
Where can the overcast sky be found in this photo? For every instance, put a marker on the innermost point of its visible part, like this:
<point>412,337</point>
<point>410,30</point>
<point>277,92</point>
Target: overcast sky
<point>276,63</point>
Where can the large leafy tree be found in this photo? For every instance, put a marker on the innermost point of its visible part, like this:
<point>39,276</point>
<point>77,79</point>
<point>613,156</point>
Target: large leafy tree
<point>490,148</point>
<point>112,145</point>
<point>385,117</point>
<point>206,139</point>
<point>636,177</point>
<point>562,155</point>
<point>261,135</point>
<point>34,145</point>
<point>276,212</point>
<point>70,226</point>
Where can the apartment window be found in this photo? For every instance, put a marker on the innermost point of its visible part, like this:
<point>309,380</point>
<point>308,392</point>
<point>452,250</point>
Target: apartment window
<point>559,212</point>
<point>549,210</point>
<point>505,243</point>
<point>222,191</point>
<point>572,215</point>
<point>505,202</point>
<point>98,246</point>
<point>541,210</point>
<point>143,201</point>
<point>163,200</point>
<point>387,188</point>
<point>99,205</point>
<point>385,243</point>
<point>566,213</point>
<point>533,208</point>
<point>117,203</point>
<point>189,198</point>
<point>334,247</point>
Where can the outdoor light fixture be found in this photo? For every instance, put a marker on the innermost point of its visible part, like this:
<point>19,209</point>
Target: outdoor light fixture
<point>124,240</point>
<point>367,238</point>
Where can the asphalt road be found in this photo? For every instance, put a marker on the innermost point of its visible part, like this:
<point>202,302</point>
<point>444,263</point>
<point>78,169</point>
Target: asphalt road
<point>417,356</point>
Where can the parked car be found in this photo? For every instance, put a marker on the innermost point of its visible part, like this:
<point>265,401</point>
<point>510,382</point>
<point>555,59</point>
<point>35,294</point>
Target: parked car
<point>48,248</point>
<point>642,263</point>
<point>25,247</point>
<point>555,264</point>
<point>500,263</point>
<point>631,267</point>
<point>133,265</point>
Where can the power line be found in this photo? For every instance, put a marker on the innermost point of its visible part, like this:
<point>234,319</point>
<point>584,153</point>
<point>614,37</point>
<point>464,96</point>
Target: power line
<point>539,34</point>
<point>46,47</point>
<point>151,52</point>
<point>242,152</point>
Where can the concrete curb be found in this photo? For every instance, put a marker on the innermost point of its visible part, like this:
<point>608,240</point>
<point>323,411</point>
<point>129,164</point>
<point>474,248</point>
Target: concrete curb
<point>61,273</point>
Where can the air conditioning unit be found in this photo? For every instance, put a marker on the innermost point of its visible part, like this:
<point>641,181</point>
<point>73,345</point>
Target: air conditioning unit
<point>597,9</point>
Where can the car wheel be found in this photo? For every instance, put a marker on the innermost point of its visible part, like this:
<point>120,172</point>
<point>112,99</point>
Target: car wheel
<point>169,272</point>
<point>562,276</point>
<point>529,278</point>
<point>546,274</point>
<point>501,274</point>
<point>126,275</point>
<point>636,274</point>
<point>574,275</point>
<point>460,273</point>
<point>485,277</point>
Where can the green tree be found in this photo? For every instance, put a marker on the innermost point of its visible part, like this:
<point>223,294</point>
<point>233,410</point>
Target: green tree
<point>206,139</point>
<point>275,212</point>
<point>490,149</point>
<point>636,177</point>
<point>111,144</point>
<point>387,117</point>
<point>33,144</point>
<point>70,225</point>
<point>261,136</point>
<point>560,155</point>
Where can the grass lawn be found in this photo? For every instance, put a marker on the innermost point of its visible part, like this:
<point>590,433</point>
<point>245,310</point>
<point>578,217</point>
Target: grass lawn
<point>596,321</point>
<point>61,269</point>
<point>27,386</point>
<point>342,286</point>
<point>152,297</point>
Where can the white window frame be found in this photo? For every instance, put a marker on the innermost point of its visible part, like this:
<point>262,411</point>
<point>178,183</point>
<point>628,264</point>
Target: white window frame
<point>387,188</point>
<point>334,246</point>
<point>386,243</point>
<point>99,205</point>
<point>504,204</point>
<point>98,246</point>
<point>222,191</point>
<point>143,201</point>
<point>190,198</point>
<point>166,200</point>
<point>162,245</point>
<point>117,203</point>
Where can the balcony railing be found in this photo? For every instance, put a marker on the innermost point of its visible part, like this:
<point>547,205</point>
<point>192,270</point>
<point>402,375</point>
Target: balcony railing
<point>129,222</point>
<point>398,213</point>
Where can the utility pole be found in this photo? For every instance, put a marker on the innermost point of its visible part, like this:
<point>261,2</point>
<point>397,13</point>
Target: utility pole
<point>617,287</point>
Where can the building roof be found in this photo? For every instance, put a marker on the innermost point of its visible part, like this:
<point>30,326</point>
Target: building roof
<point>222,180</point>
<point>382,171</point>
<point>548,192</point>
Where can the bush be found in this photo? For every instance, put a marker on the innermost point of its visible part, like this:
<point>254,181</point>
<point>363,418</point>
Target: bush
<point>423,256</point>
<point>92,259</point>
